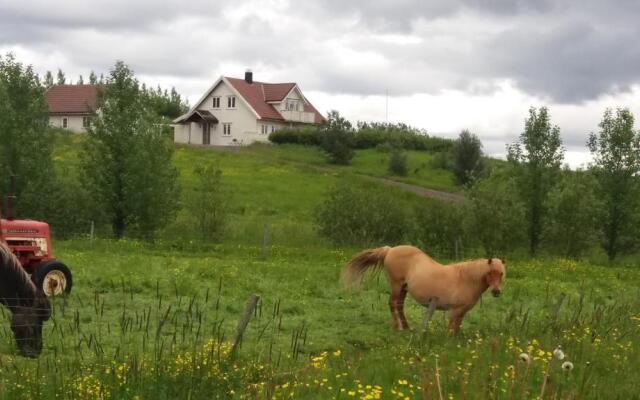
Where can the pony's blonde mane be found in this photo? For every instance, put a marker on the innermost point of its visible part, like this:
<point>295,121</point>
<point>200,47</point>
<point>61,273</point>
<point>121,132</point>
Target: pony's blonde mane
<point>477,268</point>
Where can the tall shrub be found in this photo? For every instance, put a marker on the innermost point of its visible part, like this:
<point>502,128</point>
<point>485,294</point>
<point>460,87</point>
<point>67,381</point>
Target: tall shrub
<point>571,228</point>
<point>616,153</point>
<point>127,159</point>
<point>535,159</point>
<point>361,215</point>
<point>496,214</point>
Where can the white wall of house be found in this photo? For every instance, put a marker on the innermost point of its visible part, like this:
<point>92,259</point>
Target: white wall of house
<point>244,126</point>
<point>190,133</point>
<point>74,122</point>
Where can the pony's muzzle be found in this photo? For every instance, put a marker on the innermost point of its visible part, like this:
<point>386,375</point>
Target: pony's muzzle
<point>495,292</point>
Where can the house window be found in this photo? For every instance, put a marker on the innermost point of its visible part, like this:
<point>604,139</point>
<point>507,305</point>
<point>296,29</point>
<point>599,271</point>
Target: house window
<point>273,128</point>
<point>65,122</point>
<point>216,102</point>
<point>226,129</point>
<point>86,122</point>
<point>231,102</point>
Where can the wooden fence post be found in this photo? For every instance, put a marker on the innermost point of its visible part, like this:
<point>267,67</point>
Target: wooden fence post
<point>249,309</point>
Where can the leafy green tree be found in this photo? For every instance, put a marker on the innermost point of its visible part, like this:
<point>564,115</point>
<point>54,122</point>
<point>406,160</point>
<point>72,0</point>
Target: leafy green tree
<point>127,159</point>
<point>336,138</point>
<point>48,79</point>
<point>209,204</point>
<point>466,155</point>
<point>495,213</point>
<point>61,79</point>
<point>571,227</point>
<point>80,80</point>
<point>616,153</point>
<point>398,163</point>
<point>536,158</point>
<point>25,144</point>
<point>93,79</point>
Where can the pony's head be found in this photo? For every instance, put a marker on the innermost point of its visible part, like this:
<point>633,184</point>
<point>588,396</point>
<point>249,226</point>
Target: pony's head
<point>495,275</point>
<point>26,325</point>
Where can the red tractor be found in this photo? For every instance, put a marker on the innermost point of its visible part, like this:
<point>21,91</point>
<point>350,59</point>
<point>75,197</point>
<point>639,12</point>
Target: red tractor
<point>30,241</point>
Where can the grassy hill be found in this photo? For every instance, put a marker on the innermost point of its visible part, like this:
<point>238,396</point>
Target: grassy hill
<point>154,320</point>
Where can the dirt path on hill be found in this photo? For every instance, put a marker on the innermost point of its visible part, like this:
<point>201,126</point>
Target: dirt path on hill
<point>417,189</point>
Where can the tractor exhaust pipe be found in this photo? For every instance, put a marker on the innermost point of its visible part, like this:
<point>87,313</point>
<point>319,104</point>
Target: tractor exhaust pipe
<point>11,199</point>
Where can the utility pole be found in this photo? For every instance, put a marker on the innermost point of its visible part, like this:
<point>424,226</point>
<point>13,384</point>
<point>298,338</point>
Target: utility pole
<point>386,106</point>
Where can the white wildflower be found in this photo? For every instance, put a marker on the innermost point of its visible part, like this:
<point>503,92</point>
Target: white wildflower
<point>558,353</point>
<point>524,357</point>
<point>567,366</point>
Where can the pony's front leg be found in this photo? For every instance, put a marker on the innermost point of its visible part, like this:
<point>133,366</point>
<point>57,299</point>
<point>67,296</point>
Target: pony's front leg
<point>455,319</point>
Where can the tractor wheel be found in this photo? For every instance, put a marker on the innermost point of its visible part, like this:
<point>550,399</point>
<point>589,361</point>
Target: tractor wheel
<point>53,278</point>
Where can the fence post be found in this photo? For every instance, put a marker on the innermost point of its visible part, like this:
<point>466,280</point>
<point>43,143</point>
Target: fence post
<point>92,230</point>
<point>265,241</point>
<point>244,320</point>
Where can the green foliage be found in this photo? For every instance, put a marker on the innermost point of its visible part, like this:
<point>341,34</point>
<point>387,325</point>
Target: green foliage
<point>127,159</point>
<point>440,228</point>
<point>571,228</point>
<point>48,80</point>
<point>535,159</point>
<point>373,134</point>
<point>466,156</point>
<point>496,213</point>
<point>93,79</point>
<point>308,136</point>
<point>25,144</point>
<point>398,163</point>
<point>361,215</point>
<point>616,152</point>
<point>166,104</point>
<point>336,139</point>
<point>61,79</point>
<point>209,203</point>
<point>366,136</point>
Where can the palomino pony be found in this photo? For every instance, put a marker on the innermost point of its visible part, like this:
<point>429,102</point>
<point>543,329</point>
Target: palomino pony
<point>454,287</point>
<point>29,307</point>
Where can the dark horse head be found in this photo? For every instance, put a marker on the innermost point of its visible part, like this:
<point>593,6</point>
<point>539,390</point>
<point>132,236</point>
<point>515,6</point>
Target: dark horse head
<point>29,307</point>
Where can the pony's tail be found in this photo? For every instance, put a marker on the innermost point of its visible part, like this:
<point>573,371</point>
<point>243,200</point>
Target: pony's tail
<point>361,262</point>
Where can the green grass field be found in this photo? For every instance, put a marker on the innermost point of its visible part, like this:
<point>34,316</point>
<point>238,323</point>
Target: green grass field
<point>155,320</point>
<point>311,339</point>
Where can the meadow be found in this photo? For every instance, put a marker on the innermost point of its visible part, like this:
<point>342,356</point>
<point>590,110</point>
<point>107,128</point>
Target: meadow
<point>156,320</point>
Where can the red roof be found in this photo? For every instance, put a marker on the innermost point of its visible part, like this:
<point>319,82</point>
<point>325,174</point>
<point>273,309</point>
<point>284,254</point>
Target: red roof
<point>258,94</point>
<point>71,99</point>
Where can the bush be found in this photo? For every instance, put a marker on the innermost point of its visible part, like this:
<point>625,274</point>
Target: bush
<point>367,136</point>
<point>496,214</point>
<point>64,204</point>
<point>466,157</point>
<point>440,227</point>
<point>361,216</point>
<point>308,136</point>
<point>398,163</point>
<point>336,139</point>
<point>573,215</point>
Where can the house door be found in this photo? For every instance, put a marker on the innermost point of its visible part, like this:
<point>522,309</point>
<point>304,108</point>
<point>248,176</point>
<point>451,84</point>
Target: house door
<point>206,133</point>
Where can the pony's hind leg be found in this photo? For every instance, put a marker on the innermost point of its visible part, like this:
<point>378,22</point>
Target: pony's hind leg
<point>396,306</point>
<point>401,298</point>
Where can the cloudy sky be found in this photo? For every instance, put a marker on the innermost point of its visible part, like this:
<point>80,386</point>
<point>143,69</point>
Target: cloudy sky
<point>445,64</point>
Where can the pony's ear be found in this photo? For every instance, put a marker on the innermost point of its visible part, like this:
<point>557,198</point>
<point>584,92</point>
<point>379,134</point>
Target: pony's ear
<point>489,261</point>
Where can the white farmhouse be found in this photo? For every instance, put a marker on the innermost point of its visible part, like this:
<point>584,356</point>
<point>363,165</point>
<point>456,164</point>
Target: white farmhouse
<point>242,111</point>
<point>71,106</point>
